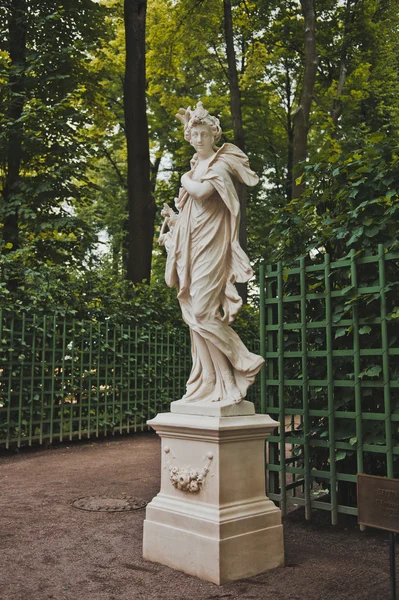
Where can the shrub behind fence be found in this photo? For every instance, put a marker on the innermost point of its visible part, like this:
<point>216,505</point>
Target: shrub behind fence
<point>62,378</point>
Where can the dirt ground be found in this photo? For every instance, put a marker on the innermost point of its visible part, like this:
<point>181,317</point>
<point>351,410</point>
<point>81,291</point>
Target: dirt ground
<point>50,550</point>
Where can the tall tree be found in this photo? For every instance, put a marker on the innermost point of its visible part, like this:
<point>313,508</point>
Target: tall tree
<point>302,113</point>
<point>353,90</point>
<point>47,114</point>
<point>238,129</point>
<point>17,29</point>
<point>141,207</point>
<point>336,104</point>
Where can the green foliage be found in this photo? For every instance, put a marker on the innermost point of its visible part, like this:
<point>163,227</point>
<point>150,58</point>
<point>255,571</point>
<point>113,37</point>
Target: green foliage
<point>358,55</point>
<point>73,176</point>
<point>352,202</point>
<point>57,129</point>
<point>91,293</point>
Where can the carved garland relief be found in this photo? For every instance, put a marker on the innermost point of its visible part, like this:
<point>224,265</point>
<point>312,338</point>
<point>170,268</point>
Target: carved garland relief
<point>188,479</point>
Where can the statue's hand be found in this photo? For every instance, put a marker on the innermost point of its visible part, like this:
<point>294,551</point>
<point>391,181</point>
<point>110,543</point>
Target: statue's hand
<point>170,215</point>
<point>167,211</point>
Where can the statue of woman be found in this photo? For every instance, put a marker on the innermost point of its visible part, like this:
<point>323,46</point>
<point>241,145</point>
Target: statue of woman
<point>205,260</point>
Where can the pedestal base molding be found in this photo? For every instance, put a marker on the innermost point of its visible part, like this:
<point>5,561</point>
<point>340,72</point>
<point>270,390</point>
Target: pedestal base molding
<point>211,518</point>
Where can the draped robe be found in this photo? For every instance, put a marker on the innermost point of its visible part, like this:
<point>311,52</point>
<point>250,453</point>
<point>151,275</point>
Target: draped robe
<point>204,261</point>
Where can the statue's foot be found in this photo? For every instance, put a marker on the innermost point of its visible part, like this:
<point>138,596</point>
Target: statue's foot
<point>188,400</point>
<point>206,391</point>
<point>233,393</point>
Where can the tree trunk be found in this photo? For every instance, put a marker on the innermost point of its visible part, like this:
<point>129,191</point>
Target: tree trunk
<point>290,132</point>
<point>154,172</point>
<point>141,207</point>
<point>336,104</point>
<point>239,136</point>
<point>301,116</point>
<point>17,28</point>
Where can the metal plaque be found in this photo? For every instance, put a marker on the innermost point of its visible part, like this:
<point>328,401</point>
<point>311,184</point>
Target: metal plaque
<point>378,502</point>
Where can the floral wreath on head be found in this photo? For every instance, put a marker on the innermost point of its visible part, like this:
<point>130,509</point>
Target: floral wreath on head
<point>199,116</point>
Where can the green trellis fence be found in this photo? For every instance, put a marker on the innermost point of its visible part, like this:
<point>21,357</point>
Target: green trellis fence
<point>63,378</point>
<point>330,335</point>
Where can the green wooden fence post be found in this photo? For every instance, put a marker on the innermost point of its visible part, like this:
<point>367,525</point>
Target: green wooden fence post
<point>52,375</point>
<point>114,384</point>
<point>106,382</point>
<point>385,360</point>
<point>98,369</point>
<point>89,382</point>
<point>72,390</point>
<point>128,375</point>
<point>10,370</point>
<point>21,360</point>
<point>280,368</point>
<point>305,388</point>
<point>356,368</point>
<point>33,379</point>
<point>121,378</point>
<point>274,478</point>
<point>160,390</point>
<point>262,326</point>
<point>330,391</point>
<point>43,381</point>
<point>136,364</point>
<point>63,368</point>
<point>155,376</point>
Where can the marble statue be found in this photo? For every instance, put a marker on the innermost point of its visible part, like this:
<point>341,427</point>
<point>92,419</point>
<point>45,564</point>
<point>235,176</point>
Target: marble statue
<point>205,260</point>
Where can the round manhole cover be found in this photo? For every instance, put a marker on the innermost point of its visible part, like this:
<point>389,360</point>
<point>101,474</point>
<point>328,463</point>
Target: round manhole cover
<point>107,504</point>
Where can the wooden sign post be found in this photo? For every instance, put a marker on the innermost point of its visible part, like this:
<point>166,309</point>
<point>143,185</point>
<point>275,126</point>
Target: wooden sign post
<point>378,506</point>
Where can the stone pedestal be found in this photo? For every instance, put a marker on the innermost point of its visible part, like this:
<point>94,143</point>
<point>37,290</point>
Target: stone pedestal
<point>211,517</point>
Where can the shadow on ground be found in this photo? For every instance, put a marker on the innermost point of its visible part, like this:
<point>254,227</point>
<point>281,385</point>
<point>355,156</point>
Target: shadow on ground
<point>51,551</point>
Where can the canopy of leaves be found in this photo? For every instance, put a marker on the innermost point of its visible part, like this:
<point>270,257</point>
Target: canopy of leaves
<point>71,196</point>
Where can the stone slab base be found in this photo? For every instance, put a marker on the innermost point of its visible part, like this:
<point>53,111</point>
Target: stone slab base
<point>213,409</point>
<point>212,518</point>
<point>218,561</point>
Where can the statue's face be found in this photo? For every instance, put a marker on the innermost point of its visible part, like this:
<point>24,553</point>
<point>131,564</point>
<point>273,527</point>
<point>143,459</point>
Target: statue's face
<point>202,139</point>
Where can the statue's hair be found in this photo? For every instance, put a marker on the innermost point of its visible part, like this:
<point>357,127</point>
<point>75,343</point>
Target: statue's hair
<point>199,116</point>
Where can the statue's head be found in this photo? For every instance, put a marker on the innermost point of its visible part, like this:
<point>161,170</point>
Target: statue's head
<point>192,119</point>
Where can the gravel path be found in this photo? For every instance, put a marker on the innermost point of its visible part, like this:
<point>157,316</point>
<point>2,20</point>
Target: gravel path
<point>50,550</point>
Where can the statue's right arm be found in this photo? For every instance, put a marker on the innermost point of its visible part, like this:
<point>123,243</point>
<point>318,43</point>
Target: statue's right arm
<point>197,189</point>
